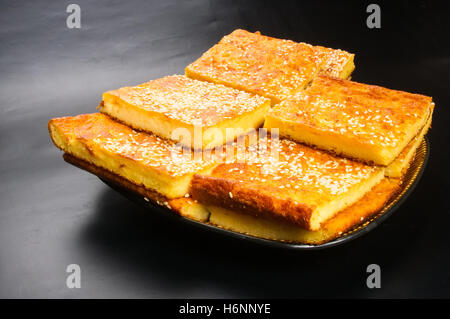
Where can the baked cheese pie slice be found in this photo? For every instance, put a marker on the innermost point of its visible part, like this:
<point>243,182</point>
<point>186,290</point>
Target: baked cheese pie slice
<point>143,159</point>
<point>193,113</point>
<point>361,121</point>
<point>267,66</point>
<point>296,183</point>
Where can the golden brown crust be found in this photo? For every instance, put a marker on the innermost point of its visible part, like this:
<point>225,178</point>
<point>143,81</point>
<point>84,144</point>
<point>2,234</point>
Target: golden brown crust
<point>367,112</point>
<point>99,131</point>
<point>216,191</point>
<point>348,220</point>
<point>186,100</point>
<point>368,206</point>
<point>365,122</point>
<point>401,164</point>
<point>177,205</point>
<point>271,67</point>
<point>290,186</point>
<point>334,61</point>
<point>358,213</point>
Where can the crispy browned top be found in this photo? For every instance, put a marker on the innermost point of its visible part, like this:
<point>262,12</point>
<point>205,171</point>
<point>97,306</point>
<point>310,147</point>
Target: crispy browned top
<point>190,101</point>
<point>291,181</point>
<point>268,66</point>
<point>369,113</point>
<point>334,60</point>
<point>99,132</point>
<point>361,211</point>
<point>290,167</point>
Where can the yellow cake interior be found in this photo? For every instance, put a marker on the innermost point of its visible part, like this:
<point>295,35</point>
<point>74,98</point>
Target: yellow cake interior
<point>328,210</point>
<point>193,113</point>
<point>189,208</point>
<point>141,158</point>
<point>181,132</point>
<point>398,167</point>
<point>304,185</point>
<point>343,152</point>
<point>350,119</point>
<point>270,228</point>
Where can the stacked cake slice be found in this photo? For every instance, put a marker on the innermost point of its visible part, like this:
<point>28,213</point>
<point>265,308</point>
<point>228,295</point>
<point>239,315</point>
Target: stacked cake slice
<point>365,122</point>
<point>141,158</point>
<point>173,107</point>
<point>267,66</point>
<point>331,154</point>
<point>295,183</point>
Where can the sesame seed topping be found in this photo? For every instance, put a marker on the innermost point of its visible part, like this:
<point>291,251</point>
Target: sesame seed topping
<point>272,67</point>
<point>297,169</point>
<point>370,114</point>
<point>190,101</point>
<point>111,138</point>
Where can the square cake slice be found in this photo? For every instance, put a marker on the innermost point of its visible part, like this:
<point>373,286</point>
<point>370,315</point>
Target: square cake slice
<point>194,113</point>
<point>271,67</point>
<point>295,183</point>
<point>144,159</point>
<point>361,121</point>
<point>271,228</point>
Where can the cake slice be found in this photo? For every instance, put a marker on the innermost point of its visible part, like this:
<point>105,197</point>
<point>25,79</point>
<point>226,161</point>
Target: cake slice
<point>184,206</point>
<point>263,227</point>
<point>141,158</point>
<point>267,66</point>
<point>364,122</point>
<point>401,163</point>
<point>296,183</point>
<point>336,63</point>
<point>194,113</point>
<point>271,228</point>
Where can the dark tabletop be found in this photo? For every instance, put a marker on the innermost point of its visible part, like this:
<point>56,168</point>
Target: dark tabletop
<point>53,214</point>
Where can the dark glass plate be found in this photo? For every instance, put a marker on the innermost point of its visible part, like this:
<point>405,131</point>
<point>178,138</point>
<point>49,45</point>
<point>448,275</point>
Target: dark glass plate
<point>411,179</point>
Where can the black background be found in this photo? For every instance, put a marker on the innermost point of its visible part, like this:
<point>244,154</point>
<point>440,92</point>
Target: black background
<point>53,214</point>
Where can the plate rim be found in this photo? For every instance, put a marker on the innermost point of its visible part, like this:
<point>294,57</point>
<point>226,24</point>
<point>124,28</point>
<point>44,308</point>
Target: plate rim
<point>274,243</point>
